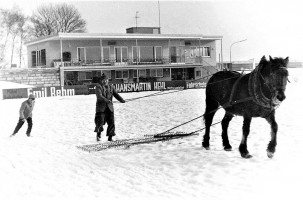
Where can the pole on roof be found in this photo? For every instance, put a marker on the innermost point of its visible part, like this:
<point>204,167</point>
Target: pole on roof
<point>136,17</point>
<point>137,59</point>
<point>159,17</point>
<point>221,54</point>
<point>101,48</point>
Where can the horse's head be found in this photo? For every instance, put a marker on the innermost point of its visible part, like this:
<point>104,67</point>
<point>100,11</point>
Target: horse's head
<point>274,73</point>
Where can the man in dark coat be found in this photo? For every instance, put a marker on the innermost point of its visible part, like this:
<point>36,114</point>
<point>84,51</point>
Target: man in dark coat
<point>105,108</point>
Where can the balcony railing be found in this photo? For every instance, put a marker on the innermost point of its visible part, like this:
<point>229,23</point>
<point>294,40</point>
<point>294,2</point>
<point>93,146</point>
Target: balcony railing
<point>124,62</point>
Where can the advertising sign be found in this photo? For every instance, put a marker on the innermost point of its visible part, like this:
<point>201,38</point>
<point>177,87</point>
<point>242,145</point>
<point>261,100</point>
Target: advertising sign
<point>15,93</point>
<point>40,92</point>
<point>145,86</point>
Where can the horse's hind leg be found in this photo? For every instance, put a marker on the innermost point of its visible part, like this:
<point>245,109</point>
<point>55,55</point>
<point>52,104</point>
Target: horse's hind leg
<point>211,108</point>
<point>243,146</point>
<point>225,122</point>
<point>273,142</point>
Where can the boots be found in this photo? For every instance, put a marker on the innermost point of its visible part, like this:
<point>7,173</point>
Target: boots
<point>110,138</point>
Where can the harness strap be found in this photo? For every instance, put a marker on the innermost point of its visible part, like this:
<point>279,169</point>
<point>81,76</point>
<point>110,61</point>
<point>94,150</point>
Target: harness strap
<point>234,89</point>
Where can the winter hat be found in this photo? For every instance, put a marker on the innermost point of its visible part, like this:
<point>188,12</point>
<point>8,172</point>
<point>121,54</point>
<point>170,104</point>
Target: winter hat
<point>31,96</point>
<point>103,77</point>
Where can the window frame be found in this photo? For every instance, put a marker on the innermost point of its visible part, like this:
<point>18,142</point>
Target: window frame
<point>200,51</point>
<point>158,72</point>
<point>122,74</point>
<point>121,58</point>
<point>137,58</point>
<point>38,58</point>
<point>139,73</point>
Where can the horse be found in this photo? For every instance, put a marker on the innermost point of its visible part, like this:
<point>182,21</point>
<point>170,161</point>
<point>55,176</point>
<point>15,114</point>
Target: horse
<point>255,94</point>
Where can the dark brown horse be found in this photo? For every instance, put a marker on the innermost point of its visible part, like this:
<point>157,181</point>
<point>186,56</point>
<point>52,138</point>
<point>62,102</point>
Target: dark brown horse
<point>256,94</point>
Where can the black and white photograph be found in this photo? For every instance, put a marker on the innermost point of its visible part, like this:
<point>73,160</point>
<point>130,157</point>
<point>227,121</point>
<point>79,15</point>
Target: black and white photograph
<point>151,99</point>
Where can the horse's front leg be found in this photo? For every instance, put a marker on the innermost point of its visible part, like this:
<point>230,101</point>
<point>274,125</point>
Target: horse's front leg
<point>274,129</point>
<point>243,146</point>
<point>225,122</point>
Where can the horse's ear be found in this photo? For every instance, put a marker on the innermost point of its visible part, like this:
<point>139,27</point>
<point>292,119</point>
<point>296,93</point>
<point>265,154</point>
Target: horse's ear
<point>286,60</point>
<point>263,59</point>
<point>270,59</point>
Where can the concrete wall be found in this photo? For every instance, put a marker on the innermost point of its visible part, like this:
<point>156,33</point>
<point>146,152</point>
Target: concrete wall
<point>40,77</point>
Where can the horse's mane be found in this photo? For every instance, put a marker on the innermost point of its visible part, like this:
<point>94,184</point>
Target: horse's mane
<point>274,64</point>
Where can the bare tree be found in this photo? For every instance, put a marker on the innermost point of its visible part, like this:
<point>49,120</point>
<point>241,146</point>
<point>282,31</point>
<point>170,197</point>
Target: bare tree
<point>23,30</point>
<point>10,23</point>
<point>7,23</point>
<point>52,19</point>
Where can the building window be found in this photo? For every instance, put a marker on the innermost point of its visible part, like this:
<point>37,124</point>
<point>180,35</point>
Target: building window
<point>105,51</point>
<point>142,73</point>
<point>177,54</point>
<point>93,54</point>
<point>198,73</point>
<point>81,54</point>
<point>166,72</point>
<point>122,74</point>
<point>199,51</point>
<point>147,53</point>
<point>158,53</point>
<point>39,58</point>
<point>206,51</point>
<point>34,59</point>
<point>121,54</point>
<point>135,54</point>
<point>85,75</point>
<point>155,31</point>
<point>156,72</point>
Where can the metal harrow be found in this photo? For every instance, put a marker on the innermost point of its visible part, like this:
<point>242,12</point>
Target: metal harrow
<point>126,143</point>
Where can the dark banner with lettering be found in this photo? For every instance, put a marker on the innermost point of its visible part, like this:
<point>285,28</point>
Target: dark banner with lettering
<point>58,91</point>
<point>146,86</point>
<point>195,84</point>
<point>40,92</point>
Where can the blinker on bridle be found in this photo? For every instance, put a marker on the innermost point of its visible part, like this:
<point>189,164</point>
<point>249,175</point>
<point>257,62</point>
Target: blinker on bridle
<point>269,86</point>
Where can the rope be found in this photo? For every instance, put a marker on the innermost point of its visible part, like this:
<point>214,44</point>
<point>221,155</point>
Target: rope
<point>159,93</point>
<point>151,95</point>
<point>166,135</point>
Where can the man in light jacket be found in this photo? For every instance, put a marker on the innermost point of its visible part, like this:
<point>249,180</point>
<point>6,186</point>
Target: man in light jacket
<point>25,114</point>
<point>105,108</point>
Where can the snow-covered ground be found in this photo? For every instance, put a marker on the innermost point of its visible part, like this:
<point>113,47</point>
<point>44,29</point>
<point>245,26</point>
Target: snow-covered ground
<point>49,166</point>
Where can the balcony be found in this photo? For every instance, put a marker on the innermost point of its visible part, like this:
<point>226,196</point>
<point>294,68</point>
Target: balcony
<point>125,62</point>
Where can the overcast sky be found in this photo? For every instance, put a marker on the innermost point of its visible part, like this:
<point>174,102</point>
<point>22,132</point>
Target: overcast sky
<point>271,27</point>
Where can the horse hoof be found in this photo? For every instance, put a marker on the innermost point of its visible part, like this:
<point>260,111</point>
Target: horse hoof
<point>246,155</point>
<point>270,154</point>
<point>207,148</point>
<point>227,148</point>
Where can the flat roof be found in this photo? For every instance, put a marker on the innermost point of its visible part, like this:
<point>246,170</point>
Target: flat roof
<point>120,36</point>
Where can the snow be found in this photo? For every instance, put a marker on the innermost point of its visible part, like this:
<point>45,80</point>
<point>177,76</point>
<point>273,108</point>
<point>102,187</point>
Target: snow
<point>12,85</point>
<point>49,166</point>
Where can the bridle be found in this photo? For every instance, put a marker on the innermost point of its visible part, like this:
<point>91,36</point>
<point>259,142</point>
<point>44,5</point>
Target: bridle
<point>256,87</point>
<point>277,85</point>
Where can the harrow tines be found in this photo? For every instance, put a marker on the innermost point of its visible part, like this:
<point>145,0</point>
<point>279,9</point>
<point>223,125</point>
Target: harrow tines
<point>132,142</point>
